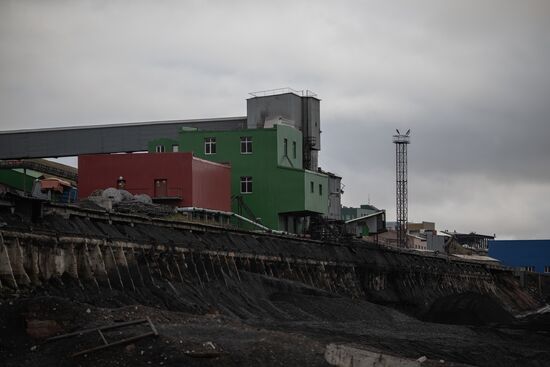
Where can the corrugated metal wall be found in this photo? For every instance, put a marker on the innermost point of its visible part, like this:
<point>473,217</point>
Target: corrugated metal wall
<point>198,183</point>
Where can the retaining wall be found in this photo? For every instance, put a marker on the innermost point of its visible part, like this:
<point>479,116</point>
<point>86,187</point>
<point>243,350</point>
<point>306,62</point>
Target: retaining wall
<point>124,252</point>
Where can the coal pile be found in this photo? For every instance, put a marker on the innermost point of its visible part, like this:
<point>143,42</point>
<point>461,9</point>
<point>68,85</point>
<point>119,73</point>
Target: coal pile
<point>259,321</point>
<point>468,309</point>
<point>138,207</point>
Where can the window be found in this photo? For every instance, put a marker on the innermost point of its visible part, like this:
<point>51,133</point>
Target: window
<point>547,269</point>
<point>246,145</point>
<point>246,184</point>
<point>175,148</point>
<point>320,189</point>
<point>312,187</point>
<point>210,146</point>
<point>159,149</point>
<point>294,149</point>
<point>286,147</point>
<point>527,268</point>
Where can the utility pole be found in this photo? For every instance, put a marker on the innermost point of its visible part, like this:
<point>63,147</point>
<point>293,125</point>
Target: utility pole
<point>401,191</point>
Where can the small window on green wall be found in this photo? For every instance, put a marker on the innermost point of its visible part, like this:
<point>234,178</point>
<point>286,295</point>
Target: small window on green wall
<point>320,189</point>
<point>294,149</point>
<point>246,184</point>
<point>209,145</point>
<point>246,145</point>
<point>312,187</point>
<point>285,147</point>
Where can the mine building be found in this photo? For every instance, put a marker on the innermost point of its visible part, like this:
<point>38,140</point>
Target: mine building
<point>275,177</point>
<point>268,181</point>
<point>273,151</point>
<point>371,224</point>
<point>527,255</point>
<point>472,240</point>
<point>176,179</point>
<point>349,213</point>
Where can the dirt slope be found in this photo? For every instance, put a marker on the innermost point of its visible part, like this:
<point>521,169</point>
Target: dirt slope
<point>260,321</point>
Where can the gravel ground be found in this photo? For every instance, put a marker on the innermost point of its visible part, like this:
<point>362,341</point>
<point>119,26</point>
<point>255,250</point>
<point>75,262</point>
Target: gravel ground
<point>260,321</point>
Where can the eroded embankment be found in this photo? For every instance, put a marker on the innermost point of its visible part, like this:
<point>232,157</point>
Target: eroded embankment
<point>261,299</point>
<point>128,254</point>
<point>256,320</point>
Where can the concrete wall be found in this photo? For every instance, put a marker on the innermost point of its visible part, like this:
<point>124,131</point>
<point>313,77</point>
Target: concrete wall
<point>435,242</point>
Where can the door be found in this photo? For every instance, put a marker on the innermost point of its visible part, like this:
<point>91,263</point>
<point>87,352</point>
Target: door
<point>161,188</point>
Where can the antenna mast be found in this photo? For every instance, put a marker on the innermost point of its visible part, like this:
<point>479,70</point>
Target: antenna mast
<point>401,191</point>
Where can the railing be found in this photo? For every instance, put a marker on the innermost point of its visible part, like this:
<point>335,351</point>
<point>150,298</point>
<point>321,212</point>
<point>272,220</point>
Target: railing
<point>401,139</point>
<point>272,92</point>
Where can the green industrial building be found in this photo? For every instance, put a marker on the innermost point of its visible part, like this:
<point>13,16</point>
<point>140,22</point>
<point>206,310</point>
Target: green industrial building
<point>268,181</point>
<point>19,178</point>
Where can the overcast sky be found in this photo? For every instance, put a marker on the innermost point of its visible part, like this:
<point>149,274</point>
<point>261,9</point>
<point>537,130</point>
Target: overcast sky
<point>469,78</point>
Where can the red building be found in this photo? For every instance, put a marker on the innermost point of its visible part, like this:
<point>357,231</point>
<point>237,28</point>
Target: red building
<point>172,178</point>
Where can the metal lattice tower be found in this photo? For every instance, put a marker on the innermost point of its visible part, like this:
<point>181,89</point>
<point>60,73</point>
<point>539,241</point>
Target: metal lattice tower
<point>401,192</point>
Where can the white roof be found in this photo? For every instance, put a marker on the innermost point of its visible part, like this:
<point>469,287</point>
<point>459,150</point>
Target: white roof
<point>476,257</point>
<point>365,217</point>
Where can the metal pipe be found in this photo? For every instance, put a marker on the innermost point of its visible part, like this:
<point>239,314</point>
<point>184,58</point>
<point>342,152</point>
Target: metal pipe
<point>195,209</point>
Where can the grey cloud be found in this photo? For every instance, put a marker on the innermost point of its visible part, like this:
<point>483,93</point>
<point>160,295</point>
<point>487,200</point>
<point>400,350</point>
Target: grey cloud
<point>468,77</point>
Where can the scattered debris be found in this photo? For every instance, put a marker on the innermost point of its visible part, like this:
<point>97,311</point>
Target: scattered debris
<point>206,350</point>
<point>40,329</point>
<point>347,356</point>
<point>540,311</point>
<point>123,201</point>
<point>100,330</point>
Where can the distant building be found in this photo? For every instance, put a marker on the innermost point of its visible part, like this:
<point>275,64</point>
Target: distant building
<point>437,241</point>
<point>39,178</point>
<point>349,213</point>
<point>421,228</point>
<point>177,179</point>
<point>369,225</point>
<point>530,255</point>
<point>416,242</point>
<point>389,238</point>
<point>472,240</point>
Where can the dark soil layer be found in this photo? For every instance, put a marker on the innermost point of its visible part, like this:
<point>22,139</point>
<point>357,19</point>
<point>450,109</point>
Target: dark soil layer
<point>260,321</point>
<point>468,309</point>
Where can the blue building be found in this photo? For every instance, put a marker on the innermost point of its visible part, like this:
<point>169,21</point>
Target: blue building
<point>531,255</point>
